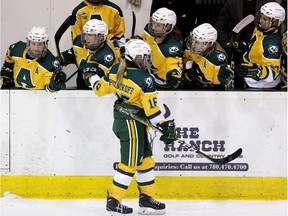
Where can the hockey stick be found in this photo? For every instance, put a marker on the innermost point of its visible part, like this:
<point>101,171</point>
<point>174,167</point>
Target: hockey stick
<point>167,111</point>
<point>220,161</point>
<point>70,20</point>
<point>133,24</point>
<point>240,25</point>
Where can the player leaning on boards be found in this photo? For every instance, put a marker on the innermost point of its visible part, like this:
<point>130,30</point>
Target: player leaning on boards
<point>167,52</point>
<point>136,91</point>
<point>91,50</point>
<point>206,64</point>
<point>262,57</point>
<point>31,65</point>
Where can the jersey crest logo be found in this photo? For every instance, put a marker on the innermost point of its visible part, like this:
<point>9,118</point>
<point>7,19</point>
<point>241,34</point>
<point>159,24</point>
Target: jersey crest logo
<point>56,64</point>
<point>149,82</point>
<point>37,70</point>
<point>108,58</point>
<point>221,57</point>
<point>273,49</point>
<point>174,50</point>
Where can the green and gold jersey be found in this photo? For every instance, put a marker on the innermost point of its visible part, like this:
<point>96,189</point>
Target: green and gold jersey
<point>205,69</point>
<point>28,73</point>
<point>82,57</point>
<point>108,12</point>
<point>167,56</point>
<point>137,91</point>
<point>265,50</point>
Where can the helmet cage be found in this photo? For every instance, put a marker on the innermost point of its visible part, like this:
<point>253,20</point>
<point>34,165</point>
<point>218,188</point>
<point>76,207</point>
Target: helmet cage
<point>99,39</point>
<point>95,28</point>
<point>167,28</point>
<point>143,61</point>
<point>37,35</point>
<point>201,39</point>
<point>197,46</point>
<point>165,17</point>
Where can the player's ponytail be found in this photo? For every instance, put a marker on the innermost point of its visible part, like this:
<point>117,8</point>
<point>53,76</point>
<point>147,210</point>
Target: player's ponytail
<point>120,71</point>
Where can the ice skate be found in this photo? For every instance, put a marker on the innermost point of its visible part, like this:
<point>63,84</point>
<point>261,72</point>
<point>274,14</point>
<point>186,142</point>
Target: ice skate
<point>149,206</point>
<point>115,208</point>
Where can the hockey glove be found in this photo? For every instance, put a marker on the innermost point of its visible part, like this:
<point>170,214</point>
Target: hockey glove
<point>90,70</point>
<point>240,45</point>
<point>225,76</point>
<point>6,72</point>
<point>249,70</point>
<point>173,78</point>
<point>169,131</point>
<point>57,81</point>
<point>188,78</point>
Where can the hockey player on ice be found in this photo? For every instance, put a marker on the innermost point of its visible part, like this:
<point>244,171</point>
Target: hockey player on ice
<point>136,91</point>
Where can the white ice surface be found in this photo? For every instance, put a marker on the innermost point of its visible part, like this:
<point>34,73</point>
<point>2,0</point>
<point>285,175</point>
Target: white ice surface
<point>13,205</point>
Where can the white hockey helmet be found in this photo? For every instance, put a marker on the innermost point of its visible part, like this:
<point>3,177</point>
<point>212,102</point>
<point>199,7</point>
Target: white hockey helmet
<point>139,52</point>
<point>37,35</point>
<point>94,27</point>
<point>201,38</point>
<point>274,11</point>
<point>163,16</point>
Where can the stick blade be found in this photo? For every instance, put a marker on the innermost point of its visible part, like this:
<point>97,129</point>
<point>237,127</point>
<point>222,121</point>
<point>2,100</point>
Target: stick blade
<point>225,160</point>
<point>243,23</point>
<point>167,111</point>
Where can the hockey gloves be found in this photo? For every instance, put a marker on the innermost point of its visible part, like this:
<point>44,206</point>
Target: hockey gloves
<point>225,76</point>
<point>173,78</point>
<point>249,70</point>
<point>6,74</point>
<point>169,131</point>
<point>89,71</point>
<point>57,81</point>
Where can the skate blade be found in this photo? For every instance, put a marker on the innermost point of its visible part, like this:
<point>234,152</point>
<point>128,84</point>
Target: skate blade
<point>150,211</point>
<point>110,213</point>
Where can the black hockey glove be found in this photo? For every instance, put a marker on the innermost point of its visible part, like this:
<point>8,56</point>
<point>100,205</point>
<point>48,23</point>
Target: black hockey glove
<point>169,131</point>
<point>90,70</point>
<point>57,81</point>
<point>173,78</point>
<point>225,76</point>
<point>249,70</point>
<point>6,72</point>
